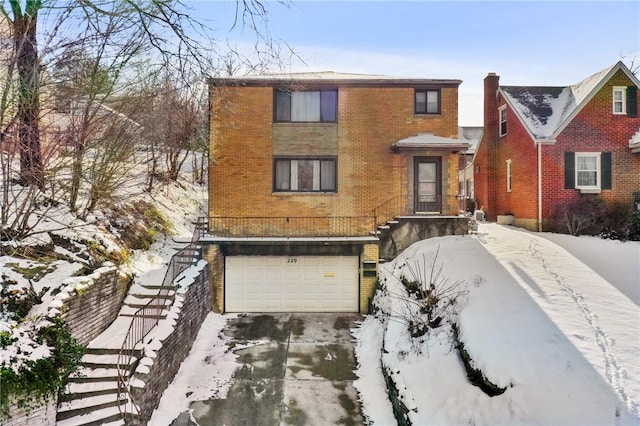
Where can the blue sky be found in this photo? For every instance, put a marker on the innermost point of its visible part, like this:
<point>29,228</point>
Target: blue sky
<point>525,43</point>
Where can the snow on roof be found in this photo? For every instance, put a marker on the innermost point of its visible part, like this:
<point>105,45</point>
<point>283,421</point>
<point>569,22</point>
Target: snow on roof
<point>544,110</point>
<point>541,108</point>
<point>472,135</point>
<point>329,77</point>
<point>430,141</point>
<point>321,75</point>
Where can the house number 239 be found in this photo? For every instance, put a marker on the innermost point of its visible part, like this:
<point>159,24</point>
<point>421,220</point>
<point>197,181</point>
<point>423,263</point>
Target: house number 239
<point>292,260</point>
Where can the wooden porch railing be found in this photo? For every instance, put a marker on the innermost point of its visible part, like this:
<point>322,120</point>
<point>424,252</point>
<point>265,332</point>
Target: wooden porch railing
<point>147,317</point>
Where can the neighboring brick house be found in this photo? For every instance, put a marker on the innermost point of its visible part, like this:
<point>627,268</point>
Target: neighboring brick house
<point>303,169</point>
<point>543,147</point>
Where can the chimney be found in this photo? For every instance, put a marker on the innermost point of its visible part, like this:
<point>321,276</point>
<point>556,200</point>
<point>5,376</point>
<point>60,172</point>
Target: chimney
<point>486,167</point>
<point>491,82</point>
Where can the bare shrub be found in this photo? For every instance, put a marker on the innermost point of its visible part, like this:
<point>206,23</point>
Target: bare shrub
<point>582,216</point>
<point>432,297</point>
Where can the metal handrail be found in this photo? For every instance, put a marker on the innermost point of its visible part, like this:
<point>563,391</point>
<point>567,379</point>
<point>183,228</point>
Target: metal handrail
<point>291,226</point>
<point>389,209</point>
<point>147,317</point>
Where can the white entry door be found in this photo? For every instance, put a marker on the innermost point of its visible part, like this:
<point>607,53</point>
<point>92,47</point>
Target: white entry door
<point>291,284</point>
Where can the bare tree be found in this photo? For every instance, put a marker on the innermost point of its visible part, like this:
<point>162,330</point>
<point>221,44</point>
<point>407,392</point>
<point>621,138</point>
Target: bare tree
<point>23,22</point>
<point>89,54</point>
<point>175,125</point>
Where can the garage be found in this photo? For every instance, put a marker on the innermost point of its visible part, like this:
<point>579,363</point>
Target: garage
<point>291,283</point>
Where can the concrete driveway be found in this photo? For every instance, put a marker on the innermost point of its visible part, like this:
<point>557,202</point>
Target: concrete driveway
<point>297,369</point>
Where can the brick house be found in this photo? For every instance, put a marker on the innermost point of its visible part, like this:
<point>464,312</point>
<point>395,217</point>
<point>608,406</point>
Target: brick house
<point>306,170</point>
<point>545,146</point>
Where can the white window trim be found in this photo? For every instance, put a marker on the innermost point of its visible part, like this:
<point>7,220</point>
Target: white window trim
<point>509,183</point>
<point>500,120</point>
<point>589,189</point>
<point>622,90</point>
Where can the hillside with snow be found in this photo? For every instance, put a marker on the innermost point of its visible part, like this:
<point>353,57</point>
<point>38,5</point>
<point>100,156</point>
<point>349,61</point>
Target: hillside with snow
<point>138,231</point>
<point>561,340</point>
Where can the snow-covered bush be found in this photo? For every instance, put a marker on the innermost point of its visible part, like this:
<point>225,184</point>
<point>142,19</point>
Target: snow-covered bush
<point>431,297</point>
<point>37,356</point>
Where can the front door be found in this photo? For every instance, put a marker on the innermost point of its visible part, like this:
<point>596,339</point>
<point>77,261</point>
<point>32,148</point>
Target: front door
<point>427,198</point>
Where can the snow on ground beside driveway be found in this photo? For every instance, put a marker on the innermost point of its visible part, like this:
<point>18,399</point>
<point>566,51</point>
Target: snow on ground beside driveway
<point>205,373</point>
<point>616,261</point>
<point>597,318</point>
<point>527,329</point>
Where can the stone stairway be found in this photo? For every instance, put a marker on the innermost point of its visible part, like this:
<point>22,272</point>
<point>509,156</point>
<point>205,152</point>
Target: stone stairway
<point>91,397</point>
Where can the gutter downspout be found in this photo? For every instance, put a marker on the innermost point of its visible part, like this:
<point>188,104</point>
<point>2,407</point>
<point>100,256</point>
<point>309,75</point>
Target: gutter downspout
<point>539,187</point>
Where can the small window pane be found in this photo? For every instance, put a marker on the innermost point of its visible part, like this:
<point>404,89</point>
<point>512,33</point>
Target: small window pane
<point>328,175</point>
<point>283,106</point>
<point>587,178</point>
<point>421,102</point>
<point>432,102</point>
<point>328,105</point>
<point>305,175</point>
<point>587,163</point>
<point>617,106</point>
<point>283,167</point>
<point>305,106</point>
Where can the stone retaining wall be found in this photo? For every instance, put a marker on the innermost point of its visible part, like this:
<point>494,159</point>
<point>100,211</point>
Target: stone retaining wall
<point>89,304</point>
<point>40,414</point>
<point>412,229</point>
<point>171,340</point>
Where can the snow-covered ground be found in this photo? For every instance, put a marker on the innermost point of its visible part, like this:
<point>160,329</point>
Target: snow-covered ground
<point>205,374</point>
<point>562,340</point>
<point>615,261</point>
<point>180,204</point>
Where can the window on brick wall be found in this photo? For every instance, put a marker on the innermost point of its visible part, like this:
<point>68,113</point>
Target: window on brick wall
<point>427,101</point>
<point>308,106</point>
<point>588,171</point>
<point>503,120</point>
<point>625,101</point>
<point>619,100</point>
<point>303,174</point>
<point>509,175</point>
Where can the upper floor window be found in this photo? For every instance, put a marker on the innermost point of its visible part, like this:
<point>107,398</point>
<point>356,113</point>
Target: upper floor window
<point>427,101</point>
<point>310,106</point>
<point>503,120</point>
<point>619,100</point>
<point>304,175</point>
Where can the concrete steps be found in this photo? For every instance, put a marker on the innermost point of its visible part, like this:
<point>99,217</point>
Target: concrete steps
<point>91,396</point>
<point>103,416</point>
<point>81,407</point>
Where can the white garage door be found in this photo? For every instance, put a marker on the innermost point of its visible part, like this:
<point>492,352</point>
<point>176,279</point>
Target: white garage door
<point>291,284</point>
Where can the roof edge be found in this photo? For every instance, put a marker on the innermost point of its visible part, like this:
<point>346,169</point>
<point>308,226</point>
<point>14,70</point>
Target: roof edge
<point>359,82</point>
<point>614,69</point>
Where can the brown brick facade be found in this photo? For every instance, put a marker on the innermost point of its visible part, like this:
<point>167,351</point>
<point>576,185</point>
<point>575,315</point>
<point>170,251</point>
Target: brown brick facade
<point>370,120</point>
<point>371,117</point>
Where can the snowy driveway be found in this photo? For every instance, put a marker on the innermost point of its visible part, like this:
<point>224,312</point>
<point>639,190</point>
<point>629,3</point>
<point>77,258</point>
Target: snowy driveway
<point>572,294</point>
<point>272,369</point>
